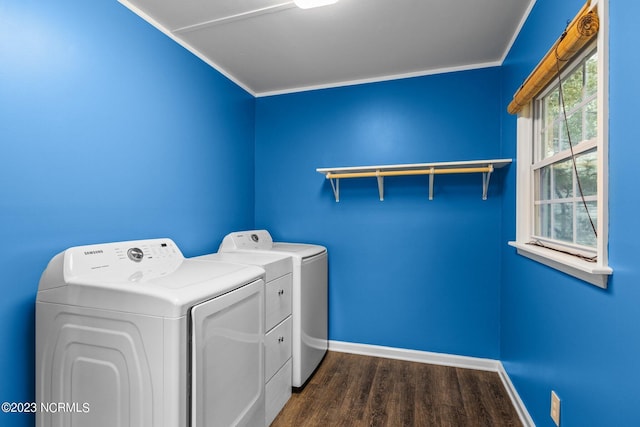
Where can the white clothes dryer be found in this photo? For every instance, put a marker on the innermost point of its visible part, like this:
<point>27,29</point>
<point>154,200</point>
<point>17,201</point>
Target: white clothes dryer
<point>310,295</point>
<point>278,323</point>
<point>132,334</point>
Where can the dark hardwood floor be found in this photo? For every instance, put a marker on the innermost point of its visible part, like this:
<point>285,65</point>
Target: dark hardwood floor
<point>353,390</point>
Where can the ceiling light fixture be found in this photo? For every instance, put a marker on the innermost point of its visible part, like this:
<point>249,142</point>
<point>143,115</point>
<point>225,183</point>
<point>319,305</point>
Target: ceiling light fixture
<point>308,4</point>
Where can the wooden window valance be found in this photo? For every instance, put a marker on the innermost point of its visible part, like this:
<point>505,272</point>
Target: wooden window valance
<point>579,33</point>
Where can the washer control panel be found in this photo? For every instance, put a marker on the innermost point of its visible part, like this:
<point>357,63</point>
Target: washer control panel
<point>243,240</point>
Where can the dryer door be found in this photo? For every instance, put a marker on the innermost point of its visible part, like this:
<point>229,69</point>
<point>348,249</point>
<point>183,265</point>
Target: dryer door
<point>227,359</point>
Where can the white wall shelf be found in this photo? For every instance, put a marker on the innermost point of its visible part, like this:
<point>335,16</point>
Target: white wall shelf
<point>486,167</point>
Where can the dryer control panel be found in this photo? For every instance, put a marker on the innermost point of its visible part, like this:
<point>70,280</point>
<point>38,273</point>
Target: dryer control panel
<point>122,260</point>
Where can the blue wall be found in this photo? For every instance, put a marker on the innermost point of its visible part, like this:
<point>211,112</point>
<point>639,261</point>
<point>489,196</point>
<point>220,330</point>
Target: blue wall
<point>559,333</point>
<point>108,131</point>
<point>407,272</point>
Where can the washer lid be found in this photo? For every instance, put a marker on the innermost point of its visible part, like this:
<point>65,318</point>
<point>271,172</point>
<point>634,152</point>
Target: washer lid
<point>301,250</point>
<point>146,276</point>
<point>275,264</point>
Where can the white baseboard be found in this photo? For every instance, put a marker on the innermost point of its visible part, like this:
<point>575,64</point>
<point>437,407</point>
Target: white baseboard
<point>416,356</point>
<point>440,359</point>
<point>525,418</point>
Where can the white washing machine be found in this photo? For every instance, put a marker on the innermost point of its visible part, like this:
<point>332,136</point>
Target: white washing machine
<point>310,295</point>
<point>133,334</point>
<point>278,323</point>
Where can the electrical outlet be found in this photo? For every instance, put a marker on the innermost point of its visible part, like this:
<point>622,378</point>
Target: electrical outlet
<point>555,408</point>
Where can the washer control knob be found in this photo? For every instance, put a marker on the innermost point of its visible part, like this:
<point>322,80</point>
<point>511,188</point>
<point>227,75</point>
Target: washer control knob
<point>255,237</point>
<point>135,254</point>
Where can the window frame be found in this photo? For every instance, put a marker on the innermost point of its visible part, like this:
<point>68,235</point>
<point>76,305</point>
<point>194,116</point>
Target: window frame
<point>596,273</point>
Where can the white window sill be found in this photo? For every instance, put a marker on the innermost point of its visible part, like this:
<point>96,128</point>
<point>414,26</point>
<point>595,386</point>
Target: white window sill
<point>590,272</point>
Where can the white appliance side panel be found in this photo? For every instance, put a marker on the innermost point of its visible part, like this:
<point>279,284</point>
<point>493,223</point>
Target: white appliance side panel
<point>176,369</point>
<point>313,316</point>
<point>228,359</point>
<point>107,365</point>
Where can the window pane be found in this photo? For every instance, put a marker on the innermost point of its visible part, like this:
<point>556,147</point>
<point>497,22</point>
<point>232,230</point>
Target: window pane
<point>563,221</point>
<point>591,120</point>
<point>575,127</point>
<point>549,135</point>
<point>585,235</point>
<point>591,67</point>
<point>572,89</point>
<point>587,165</point>
<point>563,179</point>
<point>563,140</point>
<point>543,220</point>
<point>548,141</point>
<point>543,183</point>
<point>551,108</point>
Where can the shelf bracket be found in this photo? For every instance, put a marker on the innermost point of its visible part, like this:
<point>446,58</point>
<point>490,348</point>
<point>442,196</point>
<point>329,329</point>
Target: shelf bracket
<point>335,185</point>
<point>431,174</point>
<point>380,185</point>
<point>486,176</point>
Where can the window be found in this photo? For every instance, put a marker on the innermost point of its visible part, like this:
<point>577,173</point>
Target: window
<point>562,174</point>
<point>565,203</point>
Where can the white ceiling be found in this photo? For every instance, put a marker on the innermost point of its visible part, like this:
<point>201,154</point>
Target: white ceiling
<point>271,46</point>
